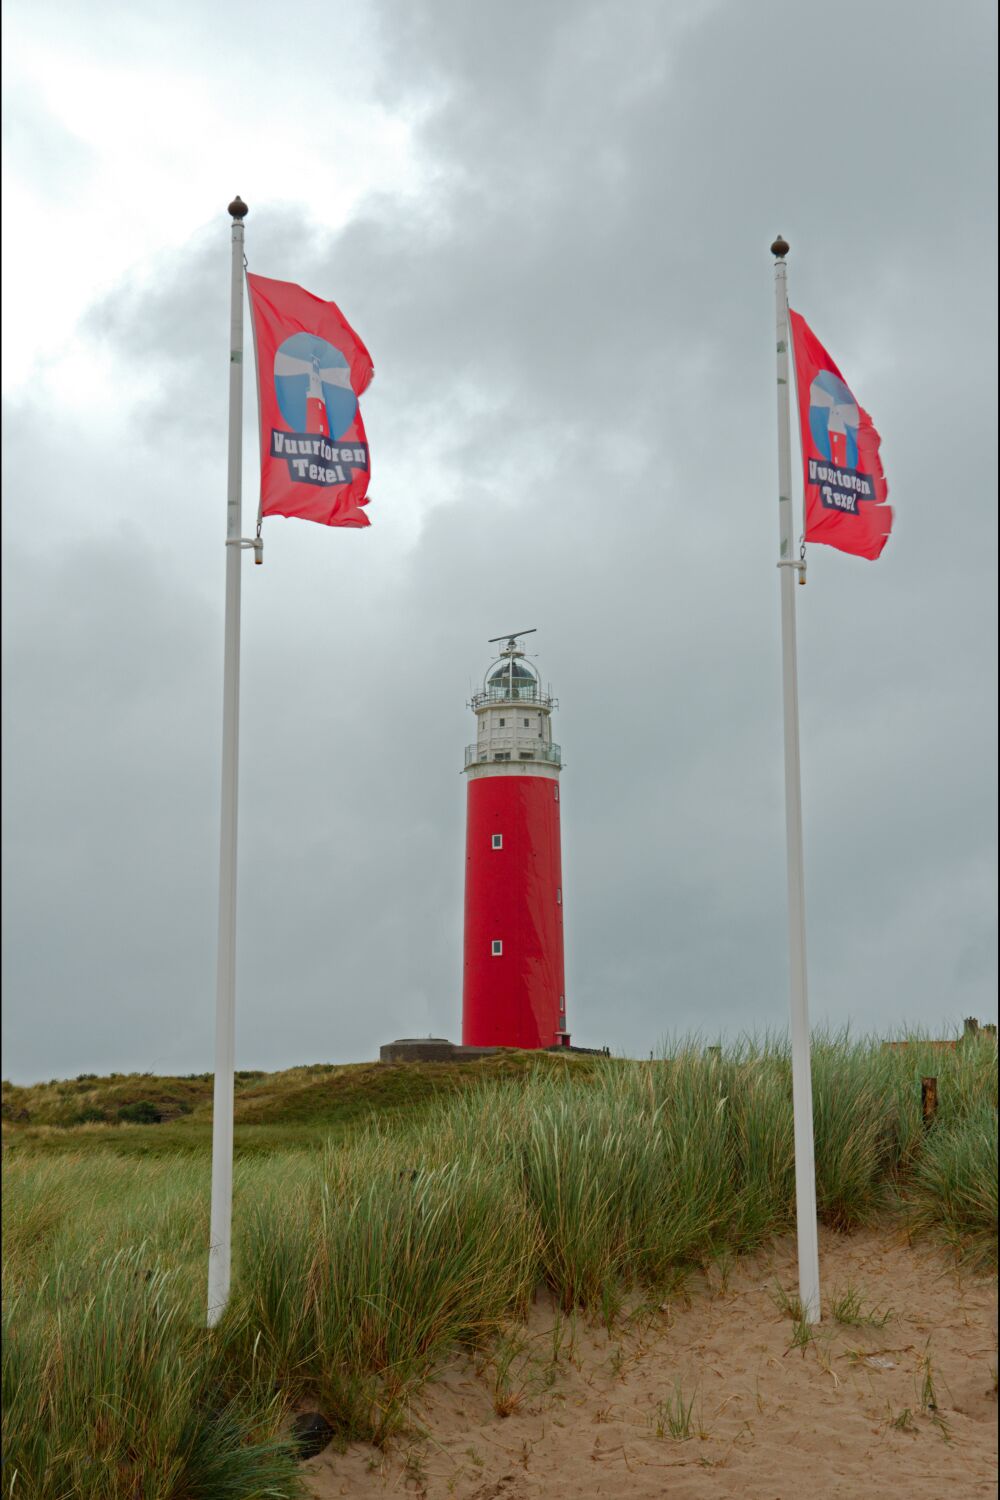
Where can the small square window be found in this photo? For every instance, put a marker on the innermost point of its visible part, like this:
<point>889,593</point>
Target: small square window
<point>498,841</point>
<point>526,723</point>
<point>502,723</point>
<point>497,947</point>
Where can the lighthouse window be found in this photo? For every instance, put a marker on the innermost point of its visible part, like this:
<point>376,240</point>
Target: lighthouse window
<point>498,841</point>
<point>497,947</point>
<point>502,723</point>
<point>562,1004</point>
<point>527,723</point>
<point>502,755</point>
<point>556,791</point>
<point>559,895</point>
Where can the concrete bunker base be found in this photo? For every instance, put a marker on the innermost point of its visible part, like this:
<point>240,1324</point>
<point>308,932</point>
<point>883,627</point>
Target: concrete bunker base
<point>439,1049</point>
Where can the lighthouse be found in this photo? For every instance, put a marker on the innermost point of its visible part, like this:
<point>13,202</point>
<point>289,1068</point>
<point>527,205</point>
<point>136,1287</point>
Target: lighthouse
<point>514,991</point>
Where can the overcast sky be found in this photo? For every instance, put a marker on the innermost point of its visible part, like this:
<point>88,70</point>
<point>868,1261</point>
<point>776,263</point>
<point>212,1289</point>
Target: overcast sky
<point>550,223</point>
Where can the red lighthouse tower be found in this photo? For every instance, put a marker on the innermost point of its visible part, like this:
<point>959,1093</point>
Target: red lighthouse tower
<point>514,993</point>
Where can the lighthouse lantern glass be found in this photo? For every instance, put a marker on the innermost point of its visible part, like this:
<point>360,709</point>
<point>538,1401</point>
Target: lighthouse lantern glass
<point>513,678</point>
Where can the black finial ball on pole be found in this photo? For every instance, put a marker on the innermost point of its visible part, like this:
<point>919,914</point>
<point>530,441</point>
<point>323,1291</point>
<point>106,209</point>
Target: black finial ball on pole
<point>238,208</point>
<point>779,249</point>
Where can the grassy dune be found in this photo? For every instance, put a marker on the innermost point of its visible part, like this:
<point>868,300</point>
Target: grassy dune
<point>400,1212</point>
<point>272,1110</point>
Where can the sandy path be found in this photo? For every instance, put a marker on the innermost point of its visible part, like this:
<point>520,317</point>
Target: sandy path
<point>769,1421</point>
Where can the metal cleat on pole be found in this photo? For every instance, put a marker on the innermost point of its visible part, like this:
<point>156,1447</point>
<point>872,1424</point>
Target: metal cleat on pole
<point>798,563</point>
<point>247,542</point>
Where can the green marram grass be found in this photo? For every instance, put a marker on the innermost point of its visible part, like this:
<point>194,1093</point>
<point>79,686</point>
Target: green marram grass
<point>373,1237</point>
<point>111,1389</point>
<point>953,1189</point>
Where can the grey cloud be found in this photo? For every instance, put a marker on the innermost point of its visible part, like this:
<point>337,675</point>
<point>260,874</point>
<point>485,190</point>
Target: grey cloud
<point>46,150</point>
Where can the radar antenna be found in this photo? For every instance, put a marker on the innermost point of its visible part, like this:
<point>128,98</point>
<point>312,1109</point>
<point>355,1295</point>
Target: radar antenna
<point>511,638</point>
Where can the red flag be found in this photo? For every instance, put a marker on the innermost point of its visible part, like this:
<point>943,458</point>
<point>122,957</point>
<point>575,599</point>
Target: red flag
<point>845,487</point>
<point>311,369</point>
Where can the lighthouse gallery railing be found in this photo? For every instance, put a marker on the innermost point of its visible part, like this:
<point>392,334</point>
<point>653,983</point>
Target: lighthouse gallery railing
<point>475,754</point>
<point>502,693</point>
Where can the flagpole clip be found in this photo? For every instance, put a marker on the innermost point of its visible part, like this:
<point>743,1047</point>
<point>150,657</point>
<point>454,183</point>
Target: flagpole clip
<point>253,543</point>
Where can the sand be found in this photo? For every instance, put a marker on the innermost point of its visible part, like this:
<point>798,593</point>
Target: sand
<point>845,1416</point>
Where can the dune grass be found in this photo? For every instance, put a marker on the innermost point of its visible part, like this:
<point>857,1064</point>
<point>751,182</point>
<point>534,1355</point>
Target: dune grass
<point>315,1094</point>
<point>363,1258</point>
<point>953,1191</point>
<point>110,1388</point>
<point>356,1288</point>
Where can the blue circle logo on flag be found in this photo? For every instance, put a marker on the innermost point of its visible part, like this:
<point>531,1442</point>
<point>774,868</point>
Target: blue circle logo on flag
<point>308,370</point>
<point>833,409</point>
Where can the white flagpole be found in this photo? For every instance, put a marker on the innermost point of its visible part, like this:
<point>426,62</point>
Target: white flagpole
<point>219,1253</point>
<point>789,563</point>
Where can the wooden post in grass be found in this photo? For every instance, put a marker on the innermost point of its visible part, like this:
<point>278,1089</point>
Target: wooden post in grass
<point>928,1101</point>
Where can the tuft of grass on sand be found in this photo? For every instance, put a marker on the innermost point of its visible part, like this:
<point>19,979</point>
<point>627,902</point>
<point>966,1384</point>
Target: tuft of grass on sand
<point>848,1307</point>
<point>673,1415</point>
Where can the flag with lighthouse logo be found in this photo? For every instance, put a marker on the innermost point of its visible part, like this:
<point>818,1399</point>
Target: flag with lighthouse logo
<point>311,370</point>
<point>845,487</point>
